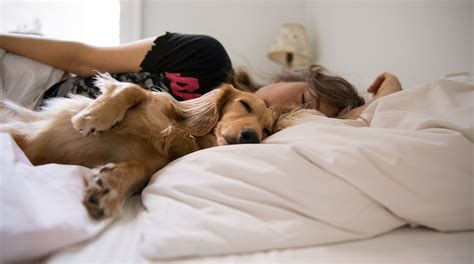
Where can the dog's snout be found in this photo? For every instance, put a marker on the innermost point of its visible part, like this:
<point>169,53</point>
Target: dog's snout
<point>249,135</point>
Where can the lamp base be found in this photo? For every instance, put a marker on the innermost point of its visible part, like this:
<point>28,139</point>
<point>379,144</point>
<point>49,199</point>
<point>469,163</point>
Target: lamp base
<point>289,59</point>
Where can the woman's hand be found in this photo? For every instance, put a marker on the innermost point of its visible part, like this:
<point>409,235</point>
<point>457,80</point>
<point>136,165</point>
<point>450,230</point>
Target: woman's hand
<point>385,84</point>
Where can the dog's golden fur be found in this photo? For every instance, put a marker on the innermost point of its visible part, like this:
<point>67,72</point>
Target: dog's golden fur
<point>129,133</point>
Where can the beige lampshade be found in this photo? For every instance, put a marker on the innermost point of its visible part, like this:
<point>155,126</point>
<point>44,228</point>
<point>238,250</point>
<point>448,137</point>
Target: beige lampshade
<point>291,39</point>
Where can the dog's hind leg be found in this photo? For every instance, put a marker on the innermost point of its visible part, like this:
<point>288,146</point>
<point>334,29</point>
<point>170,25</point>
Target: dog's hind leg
<point>111,184</point>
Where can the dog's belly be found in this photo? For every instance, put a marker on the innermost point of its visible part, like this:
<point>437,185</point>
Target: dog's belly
<point>67,146</point>
<point>56,141</point>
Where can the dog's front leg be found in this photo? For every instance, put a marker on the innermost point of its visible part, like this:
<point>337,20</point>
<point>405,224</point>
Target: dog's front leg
<point>176,142</point>
<point>109,109</point>
<point>110,184</point>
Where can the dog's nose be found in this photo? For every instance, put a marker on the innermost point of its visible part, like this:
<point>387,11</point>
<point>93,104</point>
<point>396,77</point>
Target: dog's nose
<point>248,135</point>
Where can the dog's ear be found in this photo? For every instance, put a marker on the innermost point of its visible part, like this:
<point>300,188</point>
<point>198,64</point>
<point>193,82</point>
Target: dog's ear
<point>199,116</point>
<point>286,116</point>
<point>280,115</point>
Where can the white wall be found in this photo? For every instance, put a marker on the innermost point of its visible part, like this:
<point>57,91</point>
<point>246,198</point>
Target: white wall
<point>472,37</point>
<point>131,22</point>
<point>419,40</point>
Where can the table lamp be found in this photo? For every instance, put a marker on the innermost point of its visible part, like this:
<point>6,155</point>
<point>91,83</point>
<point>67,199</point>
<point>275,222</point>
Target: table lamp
<point>291,47</point>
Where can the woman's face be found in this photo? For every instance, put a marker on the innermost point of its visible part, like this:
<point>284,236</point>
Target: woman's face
<point>294,93</point>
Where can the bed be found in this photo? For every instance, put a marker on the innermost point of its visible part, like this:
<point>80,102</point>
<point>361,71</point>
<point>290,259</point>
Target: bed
<point>393,186</point>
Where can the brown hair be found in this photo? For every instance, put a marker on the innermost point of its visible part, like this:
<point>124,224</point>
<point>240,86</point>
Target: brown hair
<point>331,89</point>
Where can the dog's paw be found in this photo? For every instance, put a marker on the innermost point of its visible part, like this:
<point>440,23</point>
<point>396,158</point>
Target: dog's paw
<point>92,121</point>
<point>101,197</point>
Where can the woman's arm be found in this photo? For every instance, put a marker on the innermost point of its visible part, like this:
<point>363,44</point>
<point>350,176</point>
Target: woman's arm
<point>76,57</point>
<point>384,84</point>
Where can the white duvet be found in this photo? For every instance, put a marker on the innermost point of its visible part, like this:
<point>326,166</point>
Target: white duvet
<point>321,181</point>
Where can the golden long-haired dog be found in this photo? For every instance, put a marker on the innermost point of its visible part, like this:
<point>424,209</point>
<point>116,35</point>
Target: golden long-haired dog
<point>128,133</point>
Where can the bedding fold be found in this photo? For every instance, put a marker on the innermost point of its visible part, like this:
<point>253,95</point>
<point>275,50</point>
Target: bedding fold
<point>40,206</point>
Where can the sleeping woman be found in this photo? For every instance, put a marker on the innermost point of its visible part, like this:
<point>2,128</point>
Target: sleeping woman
<point>183,65</point>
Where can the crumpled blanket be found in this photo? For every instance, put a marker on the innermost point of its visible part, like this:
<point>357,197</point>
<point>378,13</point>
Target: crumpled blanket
<point>318,182</point>
<point>322,181</point>
<point>40,206</point>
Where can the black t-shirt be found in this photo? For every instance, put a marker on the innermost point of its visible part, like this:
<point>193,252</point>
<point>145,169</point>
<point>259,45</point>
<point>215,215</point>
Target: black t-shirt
<point>184,65</point>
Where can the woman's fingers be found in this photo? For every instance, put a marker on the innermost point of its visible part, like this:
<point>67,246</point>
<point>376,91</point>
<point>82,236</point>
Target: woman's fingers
<point>374,87</point>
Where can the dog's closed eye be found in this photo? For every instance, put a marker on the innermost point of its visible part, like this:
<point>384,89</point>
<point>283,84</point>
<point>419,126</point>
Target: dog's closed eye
<point>246,105</point>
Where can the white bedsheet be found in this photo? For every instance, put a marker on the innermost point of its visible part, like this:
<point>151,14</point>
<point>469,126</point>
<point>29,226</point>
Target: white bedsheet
<point>24,80</point>
<point>121,243</point>
<point>319,182</point>
<point>40,206</point>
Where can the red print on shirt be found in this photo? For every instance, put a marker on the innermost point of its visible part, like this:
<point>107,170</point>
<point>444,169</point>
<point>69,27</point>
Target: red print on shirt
<point>183,86</point>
